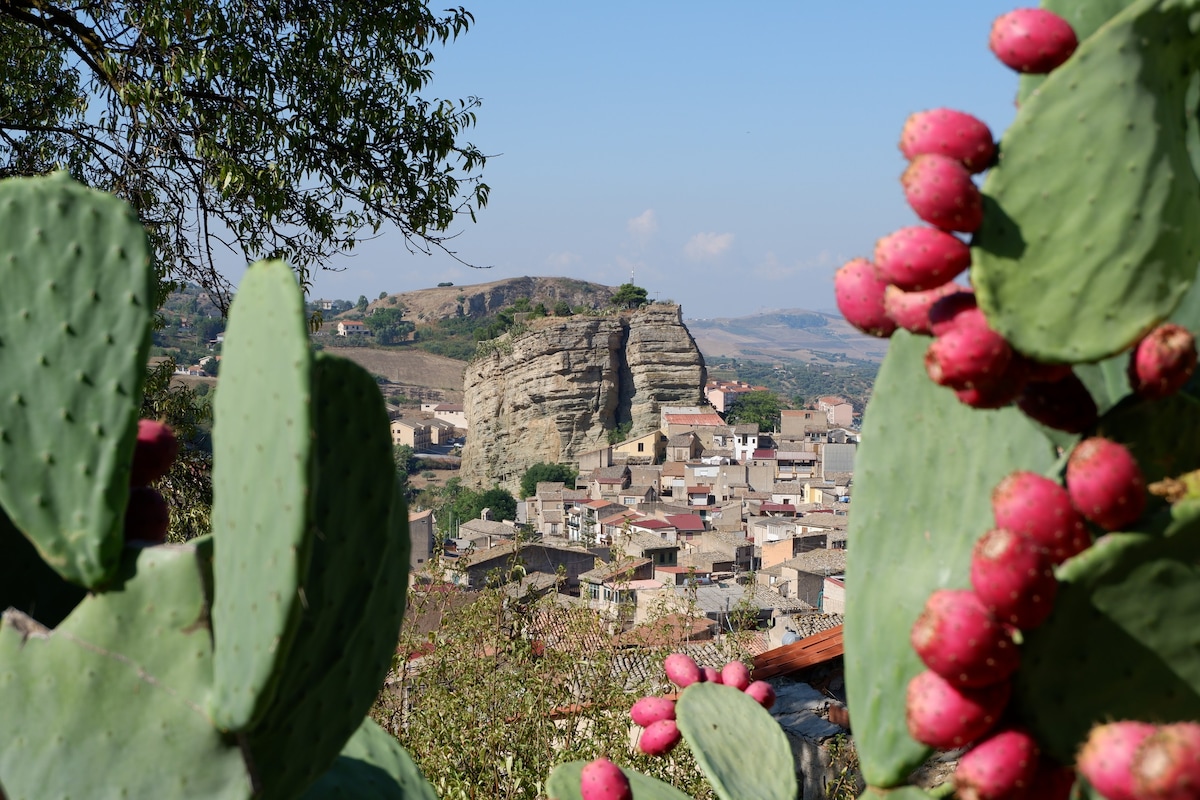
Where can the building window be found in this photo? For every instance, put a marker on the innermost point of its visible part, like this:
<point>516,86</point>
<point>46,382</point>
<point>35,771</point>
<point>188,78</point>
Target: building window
<point>641,446</point>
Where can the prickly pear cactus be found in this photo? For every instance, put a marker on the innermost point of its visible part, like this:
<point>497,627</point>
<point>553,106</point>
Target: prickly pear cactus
<point>1090,238</point>
<point>239,665</point>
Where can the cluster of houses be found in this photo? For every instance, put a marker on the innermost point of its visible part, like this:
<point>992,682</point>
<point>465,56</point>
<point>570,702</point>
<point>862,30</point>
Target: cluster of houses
<point>437,424</point>
<point>735,525</point>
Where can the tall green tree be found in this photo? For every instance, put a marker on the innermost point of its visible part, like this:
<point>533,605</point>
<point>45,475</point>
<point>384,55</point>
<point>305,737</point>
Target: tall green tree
<point>760,408</point>
<point>546,472</point>
<point>388,325</point>
<point>629,296</point>
<point>272,129</point>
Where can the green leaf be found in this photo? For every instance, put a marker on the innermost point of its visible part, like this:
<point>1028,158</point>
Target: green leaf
<point>739,746</point>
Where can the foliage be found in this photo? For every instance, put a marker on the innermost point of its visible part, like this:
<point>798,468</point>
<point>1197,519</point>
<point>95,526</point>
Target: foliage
<point>362,303</point>
<point>469,504</point>
<point>547,472</point>
<point>852,380</point>
<point>620,433</point>
<point>389,326</point>
<point>274,129</point>
<point>847,780</point>
<point>405,459</point>
<point>755,408</point>
<point>629,296</point>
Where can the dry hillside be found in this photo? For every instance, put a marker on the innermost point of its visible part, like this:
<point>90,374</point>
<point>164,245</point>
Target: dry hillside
<point>410,368</point>
<point>483,299</point>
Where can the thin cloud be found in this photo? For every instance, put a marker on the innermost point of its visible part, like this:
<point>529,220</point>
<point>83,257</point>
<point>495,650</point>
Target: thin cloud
<point>643,226</point>
<point>772,269</point>
<point>563,259</point>
<point>707,245</point>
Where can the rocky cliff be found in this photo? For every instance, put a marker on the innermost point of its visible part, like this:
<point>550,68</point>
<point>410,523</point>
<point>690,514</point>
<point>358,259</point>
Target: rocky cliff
<point>484,299</point>
<point>557,389</point>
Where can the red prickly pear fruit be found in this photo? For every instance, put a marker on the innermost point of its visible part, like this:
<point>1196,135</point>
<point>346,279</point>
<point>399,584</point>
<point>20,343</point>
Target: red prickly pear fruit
<point>941,192</point>
<point>710,675</point>
<point>957,637</point>
<point>1032,40</point>
<point>146,516</point>
<point>659,738</point>
<point>949,133</point>
<point>651,709</point>
<point>1003,392</point>
<point>1065,405</point>
<point>1106,758</point>
<point>681,670</point>
<point>945,716</point>
<point>859,293</point>
<point>154,452</point>
<point>1166,766</point>
<point>603,780</point>
<point>917,258</point>
<point>1162,362</point>
<point>736,674</point>
<point>967,355</point>
<point>1012,575</point>
<point>1025,502</point>
<point>1000,767</point>
<point>1105,483</point>
<point>1052,781</point>
<point>910,310</point>
<point>763,693</point>
<point>944,313</point>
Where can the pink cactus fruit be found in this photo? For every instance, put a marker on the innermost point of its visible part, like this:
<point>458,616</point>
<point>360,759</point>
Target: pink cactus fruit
<point>154,452</point>
<point>1105,483</point>
<point>1052,781</point>
<point>1002,392</point>
<point>1106,758</point>
<point>146,516</point>
<point>910,310</point>
<point>1166,766</point>
<point>710,675</point>
<point>944,313</point>
<point>859,290</point>
<point>603,780</point>
<point>945,716</point>
<point>941,192</point>
<point>763,693</point>
<point>1162,362</point>
<point>959,639</point>
<point>950,133</point>
<point>1013,577</point>
<point>1032,40</point>
<point>659,738</point>
<point>681,670</point>
<point>1001,767</point>
<point>968,354</point>
<point>736,674</point>
<point>651,709</point>
<point>1028,503</point>
<point>1065,405</point>
<point>917,258</point>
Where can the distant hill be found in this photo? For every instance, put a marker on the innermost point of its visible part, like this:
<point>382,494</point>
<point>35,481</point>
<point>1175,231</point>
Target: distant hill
<point>424,306</point>
<point>793,334</point>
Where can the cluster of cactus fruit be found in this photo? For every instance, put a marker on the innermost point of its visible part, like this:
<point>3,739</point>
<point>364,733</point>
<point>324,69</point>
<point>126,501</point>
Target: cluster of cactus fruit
<point>243,663</point>
<point>1068,352</point>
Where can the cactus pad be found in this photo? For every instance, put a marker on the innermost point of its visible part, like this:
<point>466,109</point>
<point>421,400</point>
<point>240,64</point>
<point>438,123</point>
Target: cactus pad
<point>1085,18</point>
<point>28,584</point>
<point>923,497</point>
<point>1088,240</point>
<point>98,706</point>
<point>372,766</point>
<point>262,463</point>
<point>354,590</point>
<point>74,339</point>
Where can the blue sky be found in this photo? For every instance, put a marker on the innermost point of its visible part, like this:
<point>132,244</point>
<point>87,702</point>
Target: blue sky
<point>729,156</point>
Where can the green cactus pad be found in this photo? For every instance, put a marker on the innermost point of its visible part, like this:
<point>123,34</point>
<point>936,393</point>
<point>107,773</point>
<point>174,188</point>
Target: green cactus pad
<point>353,593</point>
<point>1163,435</point>
<point>102,705</point>
<point>565,778</point>
<point>28,584</point>
<point>739,746</point>
<point>262,456</point>
<point>922,498</point>
<point>74,338</point>
<point>372,766</point>
<point>905,793</point>
<point>1080,253</point>
<point>1085,18</point>
<point>1127,617</point>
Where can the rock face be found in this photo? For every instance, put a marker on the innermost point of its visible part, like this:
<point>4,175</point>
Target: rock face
<point>558,389</point>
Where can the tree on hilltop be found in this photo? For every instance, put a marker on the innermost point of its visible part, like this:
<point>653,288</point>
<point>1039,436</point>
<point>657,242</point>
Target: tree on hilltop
<point>274,129</point>
<point>629,296</point>
<point>759,408</point>
<point>546,473</point>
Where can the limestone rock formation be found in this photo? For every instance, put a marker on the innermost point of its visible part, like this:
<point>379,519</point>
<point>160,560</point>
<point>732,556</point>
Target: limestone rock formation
<point>557,389</point>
